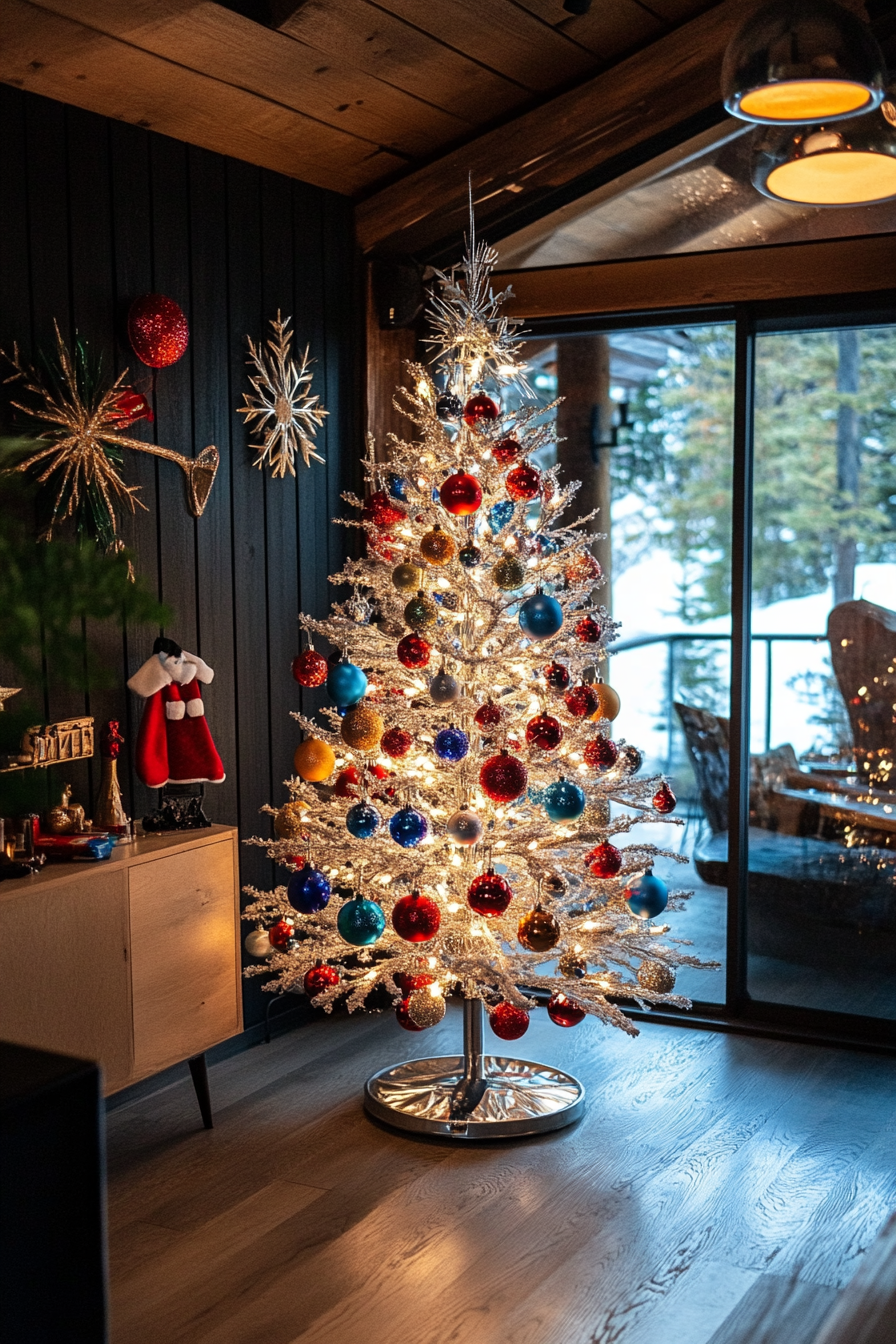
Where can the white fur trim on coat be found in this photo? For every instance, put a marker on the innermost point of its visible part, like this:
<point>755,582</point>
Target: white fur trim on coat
<point>174,709</point>
<point>161,669</point>
<point>195,709</point>
<point>151,677</point>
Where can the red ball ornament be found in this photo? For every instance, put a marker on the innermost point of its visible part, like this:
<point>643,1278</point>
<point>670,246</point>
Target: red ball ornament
<point>565,1012</point>
<point>523,483</point>
<point>384,546</point>
<point>416,918</point>
<point>319,978</point>
<point>581,701</point>
<point>545,732</point>
<point>379,509</point>
<point>157,330</point>
<point>588,630</point>
<point>604,861</point>
<point>413,651</point>
<point>408,983</point>
<point>505,452</point>
<point>488,715</point>
<point>664,799</point>
<point>508,1022</point>
<point>396,743</point>
<point>583,569</point>
<point>601,754</point>
<point>403,1017</point>
<point>489,895</point>
<point>557,676</point>
<point>281,934</point>
<point>310,668</point>
<point>480,410</point>
<point>461,494</point>
<point>129,407</point>
<point>344,781</point>
<point>503,778</point>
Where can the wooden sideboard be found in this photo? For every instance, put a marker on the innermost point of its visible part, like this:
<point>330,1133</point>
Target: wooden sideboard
<point>133,961</point>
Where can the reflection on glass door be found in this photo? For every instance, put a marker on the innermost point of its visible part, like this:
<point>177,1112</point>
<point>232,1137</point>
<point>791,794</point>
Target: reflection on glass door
<point>821,904</point>
<point>646,425</point>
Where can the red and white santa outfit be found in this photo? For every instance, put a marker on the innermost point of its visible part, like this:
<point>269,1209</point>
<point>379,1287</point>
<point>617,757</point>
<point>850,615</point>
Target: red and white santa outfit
<point>174,745</point>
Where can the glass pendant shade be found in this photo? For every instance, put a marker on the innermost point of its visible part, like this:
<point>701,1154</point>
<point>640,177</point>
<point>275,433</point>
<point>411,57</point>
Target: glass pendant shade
<point>797,61</point>
<point>849,163</point>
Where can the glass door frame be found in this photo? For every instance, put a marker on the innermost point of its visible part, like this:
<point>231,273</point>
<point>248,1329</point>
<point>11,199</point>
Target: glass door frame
<point>740,1012</point>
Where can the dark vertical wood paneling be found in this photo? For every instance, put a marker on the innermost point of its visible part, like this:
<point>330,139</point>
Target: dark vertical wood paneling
<point>94,213</point>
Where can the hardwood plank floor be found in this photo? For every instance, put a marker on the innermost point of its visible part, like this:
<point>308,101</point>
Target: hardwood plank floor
<point>714,1182</point>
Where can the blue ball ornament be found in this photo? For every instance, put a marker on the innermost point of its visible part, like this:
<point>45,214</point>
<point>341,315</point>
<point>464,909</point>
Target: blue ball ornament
<point>408,827</point>
<point>545,544</point>
<point>451,744</point>
<point>346,684</point>
<point>647,896</point>
<point>396,486</point>
<point>363,821</point>
<point>361,922</point>
<point>563,800</point>
<point>540,616</point>
<point>500,514</point>
<point>308,890</point>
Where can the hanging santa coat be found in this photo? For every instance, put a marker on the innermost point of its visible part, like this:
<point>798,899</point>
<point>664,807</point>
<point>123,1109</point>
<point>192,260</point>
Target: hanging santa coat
<point>174,744</point>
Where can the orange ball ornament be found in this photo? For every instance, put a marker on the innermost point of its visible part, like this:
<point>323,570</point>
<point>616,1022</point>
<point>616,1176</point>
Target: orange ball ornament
<point>437,547</point>
<point>362,728</point>
<point>608,702</point>
<point>314,760</point>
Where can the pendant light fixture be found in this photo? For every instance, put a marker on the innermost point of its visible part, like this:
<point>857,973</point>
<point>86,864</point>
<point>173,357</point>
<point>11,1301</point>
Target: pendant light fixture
<point>844,163</point>
<point>798,61</point>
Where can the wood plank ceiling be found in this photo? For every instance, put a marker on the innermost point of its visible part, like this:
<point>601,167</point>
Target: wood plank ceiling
<point>346,94</point>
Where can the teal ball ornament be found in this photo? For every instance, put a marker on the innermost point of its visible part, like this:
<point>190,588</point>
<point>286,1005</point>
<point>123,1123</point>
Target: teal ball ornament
<point>563,800</point>
<point>647,896</point>
<point>541,616</point>
<point>363,821</point>
<point>499,515</point>
<point>346,684</point>
<point>444,689</point>
<point>360,922</point>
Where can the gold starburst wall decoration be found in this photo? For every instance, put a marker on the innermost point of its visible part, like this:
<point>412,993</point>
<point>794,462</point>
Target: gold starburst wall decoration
<point>280,411</point>
<point>81,418</point>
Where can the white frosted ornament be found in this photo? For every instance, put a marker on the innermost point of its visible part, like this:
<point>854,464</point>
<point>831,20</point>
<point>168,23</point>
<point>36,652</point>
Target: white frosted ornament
<point>258,944</point>
<point>425,1009</point>
<point>464,828</point>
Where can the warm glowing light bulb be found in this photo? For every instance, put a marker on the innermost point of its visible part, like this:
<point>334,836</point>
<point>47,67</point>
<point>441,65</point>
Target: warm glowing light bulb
<point>799,101</point>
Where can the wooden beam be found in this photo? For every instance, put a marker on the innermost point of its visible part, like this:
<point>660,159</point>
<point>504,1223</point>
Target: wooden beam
<point>217,42</point>
<point>55,56</point>
<point>690,279</point>
<point>651,92</point>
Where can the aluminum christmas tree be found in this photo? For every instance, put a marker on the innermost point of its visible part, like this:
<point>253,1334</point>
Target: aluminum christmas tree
<point>450,828</point>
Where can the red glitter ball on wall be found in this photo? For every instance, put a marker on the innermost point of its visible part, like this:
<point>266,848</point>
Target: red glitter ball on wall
<point>489,895</point>
<point>461,494</point>
<point>320,978</point>
<point>581,701</point>
<point>157,330</point>
<point>523,483</point>
<point>604,861</point>
<point>395,742</point>
<point>503,778</point>
<point>505,452</point>
<point>416,918</point>
<point>565,1012</point>
<point>413,652</point>
<point>480,409</point>
<point>544,731</point>
<point>508,1022</point>
<point>310,668</point>
<point>588,630</point>
<point>601,754</point>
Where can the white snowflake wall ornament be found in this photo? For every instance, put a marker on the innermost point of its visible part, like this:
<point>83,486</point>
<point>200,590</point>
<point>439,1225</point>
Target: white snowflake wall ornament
<point>280,411</point>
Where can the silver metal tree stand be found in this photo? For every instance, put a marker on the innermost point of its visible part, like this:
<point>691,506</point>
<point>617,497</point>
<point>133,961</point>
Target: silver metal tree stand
<point>474,1096</point>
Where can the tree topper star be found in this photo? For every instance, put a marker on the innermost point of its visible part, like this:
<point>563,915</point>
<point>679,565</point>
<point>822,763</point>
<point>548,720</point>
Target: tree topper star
<point>280,410</point>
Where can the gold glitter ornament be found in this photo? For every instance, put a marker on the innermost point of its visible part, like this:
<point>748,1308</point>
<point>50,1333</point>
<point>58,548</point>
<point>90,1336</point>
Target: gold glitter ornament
<point>656,976</point>
<point>425,1009</point>
<point>508,574</point>
<point>539,931</point>
<point>421,612</point>
<point>437,547</point>
<point>573,966</point>
<point>314,760</point>
<point>288,821</point>
<point>362,728</point>
<point>406,577</point>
